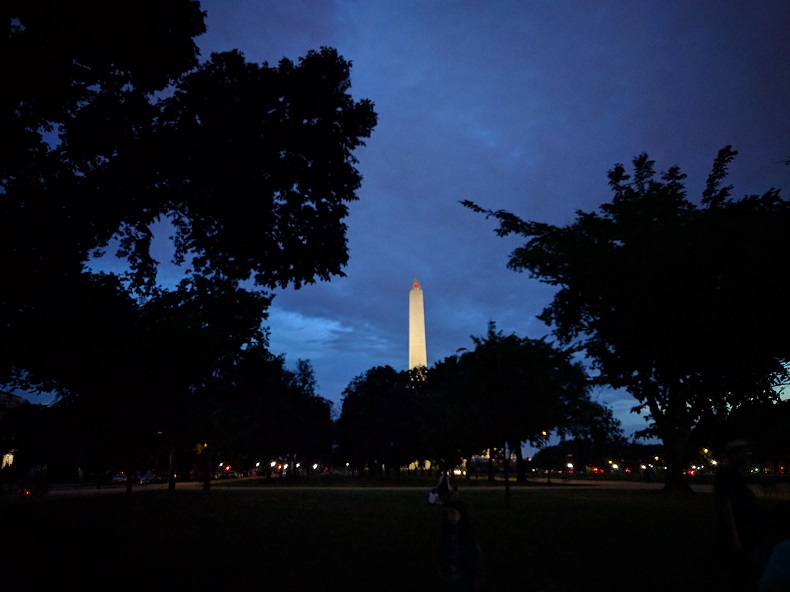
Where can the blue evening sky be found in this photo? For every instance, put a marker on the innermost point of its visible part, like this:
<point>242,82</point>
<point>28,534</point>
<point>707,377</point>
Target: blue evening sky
<point>520,105</point>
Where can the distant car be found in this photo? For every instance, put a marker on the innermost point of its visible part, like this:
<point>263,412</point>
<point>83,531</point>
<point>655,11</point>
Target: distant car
<point>119,478</point>
<point>148,477</point>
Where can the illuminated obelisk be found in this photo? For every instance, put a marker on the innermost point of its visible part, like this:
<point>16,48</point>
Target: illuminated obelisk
<point>417,349</point>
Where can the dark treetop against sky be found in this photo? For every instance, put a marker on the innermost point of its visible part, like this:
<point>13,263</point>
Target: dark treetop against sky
<point>520,105</point>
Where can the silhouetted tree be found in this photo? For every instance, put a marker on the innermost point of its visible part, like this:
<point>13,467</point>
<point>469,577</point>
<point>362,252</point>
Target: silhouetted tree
<point>312,432</point>
<point>261,410</point>
<point>764,423</point>
<point>378,420</point>
<point>30,433</point>
<point>297,422</point>
<point>679,303</point>
<point>456,416</point>
<point>591,451</point>
<point>113,126</point>
<point>593,431</point>
<point>189,337</point>
<point>513,390</point>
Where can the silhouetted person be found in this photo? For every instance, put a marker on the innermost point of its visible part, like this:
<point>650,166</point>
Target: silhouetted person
<point>776,575</point>
<point>736,507</point>
<point>443,488</point>
<point>459,551</point>
<point>775,572</point>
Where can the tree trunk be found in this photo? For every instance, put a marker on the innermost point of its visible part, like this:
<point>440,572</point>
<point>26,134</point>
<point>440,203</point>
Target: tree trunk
<point>209,467</point>
<point>490,468</point>
<point>674,438</point>
<point>521,466</point>
<point>675,450</point>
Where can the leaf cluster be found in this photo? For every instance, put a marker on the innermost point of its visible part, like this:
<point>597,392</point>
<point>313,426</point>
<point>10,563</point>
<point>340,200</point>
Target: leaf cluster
<point>114,125</point>
<point>678,301</point>
<point>506,389</point>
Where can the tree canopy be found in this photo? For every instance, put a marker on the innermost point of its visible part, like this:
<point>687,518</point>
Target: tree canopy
<point>380,420</point>
<point>115,125</point>
<point>112,128</point>
<point>678,301</point>
<point>508,390</point>
<point>505,391</point>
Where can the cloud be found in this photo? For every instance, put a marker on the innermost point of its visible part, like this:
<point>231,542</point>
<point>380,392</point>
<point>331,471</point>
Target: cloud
<point>514,105</point>
<point>339,351</point>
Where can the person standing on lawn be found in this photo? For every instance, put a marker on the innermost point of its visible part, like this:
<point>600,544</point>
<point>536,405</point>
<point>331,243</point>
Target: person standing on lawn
<point>739,520</point>
<point>443,487</point>
<point>460,554</point>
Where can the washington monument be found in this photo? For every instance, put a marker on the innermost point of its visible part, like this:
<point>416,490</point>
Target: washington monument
<point>417,350</point>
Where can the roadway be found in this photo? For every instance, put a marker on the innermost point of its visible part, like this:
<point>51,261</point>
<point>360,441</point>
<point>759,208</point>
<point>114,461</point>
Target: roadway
<point>85,489</point>
<point>64,490</point>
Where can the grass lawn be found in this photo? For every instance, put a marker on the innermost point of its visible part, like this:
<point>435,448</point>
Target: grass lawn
<point>284,539</point>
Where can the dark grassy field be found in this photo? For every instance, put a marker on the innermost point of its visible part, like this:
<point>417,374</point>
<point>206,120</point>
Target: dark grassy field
<point>374,539</point>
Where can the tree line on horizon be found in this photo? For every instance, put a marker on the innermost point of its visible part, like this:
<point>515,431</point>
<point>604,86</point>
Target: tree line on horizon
<point>681,303</point>
<point>110,132</point>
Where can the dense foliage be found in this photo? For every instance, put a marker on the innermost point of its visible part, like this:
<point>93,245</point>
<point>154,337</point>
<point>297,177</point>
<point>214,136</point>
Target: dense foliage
<point>504,392</point>
<point>679,302</point>
<point>112,128</point>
